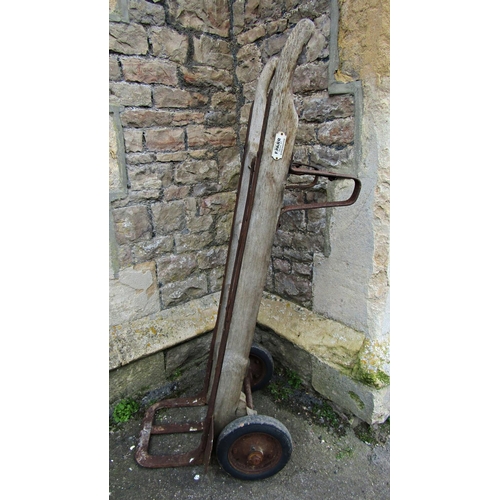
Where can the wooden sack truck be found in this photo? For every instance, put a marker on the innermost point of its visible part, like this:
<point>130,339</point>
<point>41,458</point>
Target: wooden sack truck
<point>249,446</point>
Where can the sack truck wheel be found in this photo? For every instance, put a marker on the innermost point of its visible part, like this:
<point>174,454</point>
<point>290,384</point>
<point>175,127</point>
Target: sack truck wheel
<point>261,367</point>
<point>254,447</point>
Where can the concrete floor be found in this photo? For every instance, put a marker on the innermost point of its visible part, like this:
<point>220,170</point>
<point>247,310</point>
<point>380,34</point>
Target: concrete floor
<point>324,465</point>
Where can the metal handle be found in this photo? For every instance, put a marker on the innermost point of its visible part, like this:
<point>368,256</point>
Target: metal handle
<point>298,170</point>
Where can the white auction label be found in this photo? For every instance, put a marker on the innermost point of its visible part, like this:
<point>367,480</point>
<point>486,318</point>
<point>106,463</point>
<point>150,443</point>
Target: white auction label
<point>279,145</point>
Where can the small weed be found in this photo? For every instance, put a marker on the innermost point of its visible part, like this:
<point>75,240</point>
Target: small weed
<point>280,391</point>
<point>175,374</point>
<point>293,379</point>
<point>124,410</point>
<point>326,415</point>
<point>344,453</point>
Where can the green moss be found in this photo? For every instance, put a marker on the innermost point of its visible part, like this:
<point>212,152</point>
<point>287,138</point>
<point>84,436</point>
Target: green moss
<point>377,379</point>
<point>357,399</point>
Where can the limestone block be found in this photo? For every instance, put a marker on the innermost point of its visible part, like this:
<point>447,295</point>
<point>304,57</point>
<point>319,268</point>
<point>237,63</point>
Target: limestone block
<point>339,132</point>
<point>136,377</point>
<point>161,139</point>
<point>193,287</point>
<point>176,267</point>
<point>310,77</point>
<point>144,12</point>
<point>133,140</point>
<point>199,136</point>
<point>219,203</point>
<point>166,97</point>
<point>128,38</point>
<point>192,242</point>
<point>149,71</point>
<point>167,328</point>
<point>166,42</point>
<point>212,52</point>
<point>134,294</point>
<point>206,75</point>
<point>369,404</point>
<point>249,63</point>
<point>129,94</point>
<point>210,16</point>
<point>131,224</point>
<point>114,68</point>
<point>168,217</point>
<point>321,107</point>
<point>194,171</point>
<point>154,248</point>
<point>329,340</point>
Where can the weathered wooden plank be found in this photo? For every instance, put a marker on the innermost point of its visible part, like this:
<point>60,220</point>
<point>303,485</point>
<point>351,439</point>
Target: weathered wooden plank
<point>282,118</point>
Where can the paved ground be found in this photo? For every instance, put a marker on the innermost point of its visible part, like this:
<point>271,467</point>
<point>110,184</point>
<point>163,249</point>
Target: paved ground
<point>326,462</point>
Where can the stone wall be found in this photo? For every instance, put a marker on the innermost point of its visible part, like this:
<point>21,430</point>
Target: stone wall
<point>182,79</point>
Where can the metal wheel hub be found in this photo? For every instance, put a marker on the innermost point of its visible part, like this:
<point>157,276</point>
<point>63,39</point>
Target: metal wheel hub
<point>255,453</point>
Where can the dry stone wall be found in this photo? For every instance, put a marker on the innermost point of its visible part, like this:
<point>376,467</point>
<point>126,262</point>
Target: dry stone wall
<point>183,75</point>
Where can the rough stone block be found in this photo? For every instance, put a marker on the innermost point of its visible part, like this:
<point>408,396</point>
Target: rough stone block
<point>114,69</point>
<point>166,97</point>
<point>176,267</point>
<point>168,217</point>
<point>194,171</point>
<point>133,140</point>
<point>128,38</point>
<point>369,404</point>
<point>131,224</point>
<point>310,77</point>
<point>207,76</point>
<point>209,17</point>
<point>129,94</point>
<point>339,132</point>
<point>166,42</point>
<point>194,287</point>
<point>212,52</point>
<point>192,242</point>
<point>144,12</point>
<point>199,136</point>
<point>249,63</point>
<point>165,139</point>
<point>220,203</point>
<point>137,377</point>
<point>149,71</point>
<point>165,329</point>
<point>321,107</point>
<point>134,294</point>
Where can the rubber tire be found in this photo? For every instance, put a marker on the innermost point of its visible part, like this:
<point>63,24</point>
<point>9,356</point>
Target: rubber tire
<point>264,356</point>
<point>258,424</point>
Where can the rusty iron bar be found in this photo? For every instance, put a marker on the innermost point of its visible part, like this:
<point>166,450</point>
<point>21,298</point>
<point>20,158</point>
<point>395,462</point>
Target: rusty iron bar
<point>313,171</point>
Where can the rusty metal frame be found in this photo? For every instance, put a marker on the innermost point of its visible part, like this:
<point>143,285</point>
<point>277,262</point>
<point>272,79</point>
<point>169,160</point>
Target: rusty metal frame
<point>202,453</point>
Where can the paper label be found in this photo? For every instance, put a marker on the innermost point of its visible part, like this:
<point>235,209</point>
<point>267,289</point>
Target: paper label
<point>279,146</point>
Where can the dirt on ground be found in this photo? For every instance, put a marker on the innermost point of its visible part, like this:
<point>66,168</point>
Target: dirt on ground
<point>334,455</point>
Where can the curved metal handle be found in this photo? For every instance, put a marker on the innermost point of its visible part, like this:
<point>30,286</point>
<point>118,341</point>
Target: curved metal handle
<point>331,176</point>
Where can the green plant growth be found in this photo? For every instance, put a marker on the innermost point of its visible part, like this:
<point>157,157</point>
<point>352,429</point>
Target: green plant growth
<point>344,453</point>
<point>124,410</point>
<point>175,374</point>
<point>284,384</point>
<point>279,391</point>
<point>326,415</point>
<point>293,379</point>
